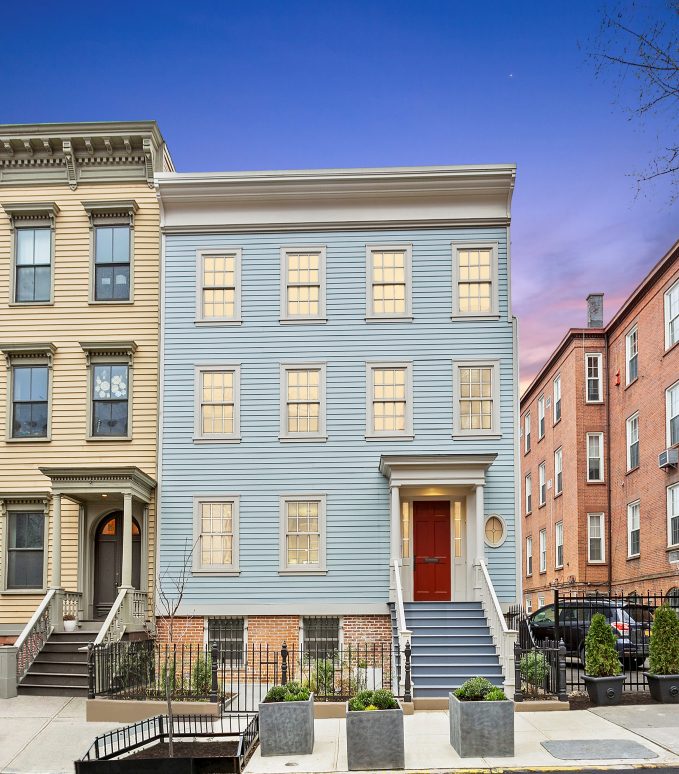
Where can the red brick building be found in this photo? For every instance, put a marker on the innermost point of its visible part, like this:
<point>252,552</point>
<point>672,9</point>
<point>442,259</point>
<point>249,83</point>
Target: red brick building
<point>600,510</point>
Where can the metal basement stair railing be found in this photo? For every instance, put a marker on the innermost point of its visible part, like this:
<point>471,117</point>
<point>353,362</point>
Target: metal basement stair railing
<point>451,642</point>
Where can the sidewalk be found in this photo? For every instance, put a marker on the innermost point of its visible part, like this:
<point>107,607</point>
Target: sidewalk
<point>44,735</point>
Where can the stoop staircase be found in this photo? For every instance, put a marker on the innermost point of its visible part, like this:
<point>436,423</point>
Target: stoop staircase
<point>451,642</point>
<point>60,669</point>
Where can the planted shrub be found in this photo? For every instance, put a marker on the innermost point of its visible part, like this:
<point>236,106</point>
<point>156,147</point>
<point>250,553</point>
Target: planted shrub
<point>663,651</point>
<point>601,656</point>
<point>290,692</point>
<point>497,694</point>
<point>373,700</point>
<point>474,689</point>
<point>201,676</point>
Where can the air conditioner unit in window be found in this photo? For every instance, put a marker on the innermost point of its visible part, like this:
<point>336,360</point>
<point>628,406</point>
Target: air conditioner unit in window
<point>668,459</point>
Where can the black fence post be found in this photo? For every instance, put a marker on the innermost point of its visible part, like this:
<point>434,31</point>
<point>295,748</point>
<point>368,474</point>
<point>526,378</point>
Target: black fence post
<point>557,634</point>
<point>91,679</point>
<point>214,686</point>
<point>518,693</point>
<point>407,687</point>
<point>284,664</point>
<point>563,696</point>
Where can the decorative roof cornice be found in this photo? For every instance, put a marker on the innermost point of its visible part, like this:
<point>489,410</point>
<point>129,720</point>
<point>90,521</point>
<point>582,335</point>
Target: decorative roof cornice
<point>116,150</point>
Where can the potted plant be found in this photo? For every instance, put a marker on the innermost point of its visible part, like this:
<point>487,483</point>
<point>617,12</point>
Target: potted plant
<point>375,732</point>
<point>286,720</point>
<point>481,720</point>
<point>602,664</point>
<point>663,656</point>
<point>70,622</point>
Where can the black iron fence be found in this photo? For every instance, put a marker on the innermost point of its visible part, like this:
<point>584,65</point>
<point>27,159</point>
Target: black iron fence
<point>238,678</point>
<point>540,671</point>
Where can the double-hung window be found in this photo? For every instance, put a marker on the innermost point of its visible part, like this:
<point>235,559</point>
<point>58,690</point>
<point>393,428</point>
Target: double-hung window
<point>33,280</point>
<point>217,403</point>
<point>633,442</point>
<point>529,555</point>
<point>672,414</point>
<point>595,538</point>
<point>25,550</point>
<point>302,284</point>
<point>476,399</point>
<point>632,355</point>
<point>541,417</point>
<point>557,399</point>
<point>302,399</point>
<point>389,400</point>
<point>526,433</point>
<point>529,493</point>
<point>558,471</point>
<point>218,287</point>
<point>543,550</point>
<point>542,483</point>
<point>633,528</point>
<point>595,457</point>
<point>216,534</point>
<point>673,515</point>
<point>529,605</point>
<point>558,544</point>
<point>302,534</point>
<point>30,401</point>
<point>593,378</point>
<point>475,279</point>
<point>389,282</point>
<point>672,316</point>
<point>112,249</point>
<point>110,377</point>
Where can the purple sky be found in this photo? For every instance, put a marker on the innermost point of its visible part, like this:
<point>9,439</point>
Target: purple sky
<point>271,84</point>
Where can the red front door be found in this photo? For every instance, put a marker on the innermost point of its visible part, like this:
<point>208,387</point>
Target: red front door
<point>431,528</point>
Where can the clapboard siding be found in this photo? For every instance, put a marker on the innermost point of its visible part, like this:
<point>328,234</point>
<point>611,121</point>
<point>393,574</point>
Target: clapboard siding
<point>345,467</point>
<point>68,321</point>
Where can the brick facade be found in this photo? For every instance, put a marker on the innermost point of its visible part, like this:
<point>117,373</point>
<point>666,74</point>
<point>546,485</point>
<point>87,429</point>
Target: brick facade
<point>658,369</point>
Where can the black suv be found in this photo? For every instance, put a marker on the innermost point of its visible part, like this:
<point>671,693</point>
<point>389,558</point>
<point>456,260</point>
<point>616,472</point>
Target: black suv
<point>574,620</point>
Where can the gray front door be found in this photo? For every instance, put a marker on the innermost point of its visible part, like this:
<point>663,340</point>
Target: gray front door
<point>108,561</point>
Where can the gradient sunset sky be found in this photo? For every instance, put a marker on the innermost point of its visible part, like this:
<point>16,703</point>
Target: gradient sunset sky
<point>275,85</point>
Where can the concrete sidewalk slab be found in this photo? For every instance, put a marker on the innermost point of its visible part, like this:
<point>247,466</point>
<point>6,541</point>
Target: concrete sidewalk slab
<point>15,735</point>
<point>597,749</point>
<point>659,723</point>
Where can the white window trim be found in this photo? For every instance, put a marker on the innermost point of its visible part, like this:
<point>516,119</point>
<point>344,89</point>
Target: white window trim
<point>198,436</point>
<point>599,356</point>
<point>541,417</point>
<point>370,314</point>
<point>26,503</point>
<point>528,489</point>
<point>29,216</point>
<point>602,538</point>
<point>504,530</point>
<point>286,436</point>
<point>529,556</point>
<point>601,459</point>
<point>666,297</point>
<point>321,317</point>
<point>628,440</point>
<point>316,569</point>
<point>526,433</point>
<point>109,354</point>
<point>628,340</point>
<point>631,505</point>
<point>670,489</point>
<point>27,355</point>
<point>542,482</point>
<point>494,432</point>
<point>529,605</point>
<point>200,318</point>
<point>542,551</point>
<point>558,566</point>
<point>215,569</point>
<point>494,313</point>
<point>557,380</point>
<point>372,435</point>
<point>558,455</point>
<point>668,417</point>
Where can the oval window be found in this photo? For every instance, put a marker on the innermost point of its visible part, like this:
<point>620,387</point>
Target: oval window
<point>495,531</point>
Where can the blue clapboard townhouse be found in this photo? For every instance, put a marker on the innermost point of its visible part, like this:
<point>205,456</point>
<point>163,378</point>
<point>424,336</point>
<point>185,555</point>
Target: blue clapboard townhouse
<point>339,400</point>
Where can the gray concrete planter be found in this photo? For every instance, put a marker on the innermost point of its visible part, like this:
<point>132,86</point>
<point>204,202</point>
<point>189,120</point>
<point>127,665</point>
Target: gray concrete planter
<point>287,727</point>
<point>375,740</point>
<point>604,690</point>
<point>481,728</point>
<point>664,688</point>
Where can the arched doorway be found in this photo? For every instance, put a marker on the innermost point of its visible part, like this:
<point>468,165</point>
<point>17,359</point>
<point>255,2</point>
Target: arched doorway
<point>108,561</point>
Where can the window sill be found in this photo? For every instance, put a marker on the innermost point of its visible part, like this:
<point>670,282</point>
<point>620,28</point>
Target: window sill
<point>558,567</point>
<point>593,402</point>
<point>633,557</point>
<point>528,513</point>
<point>217,323</point>
<point>541,438</point>
<point>30,303</point>
<point>108,438</point>
<point>112,302</point>
<point>29,440</point>
<point>217,573</point>
<point>597,563</point>
<point>389,437</point>
<point>526,452</point>
<point>595,483</point>
<point>399,318</point>
<point>305,439</point>
<point>477,317</point>
<point>631,470</point>
<point>543,572</point>
<point>629,384</point>
<point>556,422</point>
<point>24,592</point>
<point>303,320</point>
<point>302,572</point>
<point>483,436</point>
<point>675,547</point>
<point>542,505</point>
<point>558,494</point>
<point>226,439</point>
<point>671,348</point>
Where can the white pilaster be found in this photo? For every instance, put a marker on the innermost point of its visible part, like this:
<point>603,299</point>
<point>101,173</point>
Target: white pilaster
<point>126,580</point>
<point>480,523</point>
<point>56,542</point>
<point>395,534</point>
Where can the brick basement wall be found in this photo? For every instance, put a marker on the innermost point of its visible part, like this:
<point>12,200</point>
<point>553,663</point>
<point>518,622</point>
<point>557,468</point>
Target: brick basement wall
<point>359,629</point>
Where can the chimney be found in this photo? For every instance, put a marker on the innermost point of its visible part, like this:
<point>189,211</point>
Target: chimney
<point>595,310</point>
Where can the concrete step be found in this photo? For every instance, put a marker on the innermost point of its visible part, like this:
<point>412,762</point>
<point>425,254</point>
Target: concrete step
<point>54,678</point>
<point>453,659</point>
<point>76,656</point>
<point>444,615</point>
<point>30,689</point>
<point>59,667</point>
<point>465,671</point>
<point>443,689</point>
<point>59,646</point>
<point>449,631</point>
<point>442,606</point>
<point>77,636</point>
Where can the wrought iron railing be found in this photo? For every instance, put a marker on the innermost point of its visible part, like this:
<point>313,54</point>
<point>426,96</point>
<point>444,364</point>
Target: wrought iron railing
<point>540,671</point>
<point>35,633</point>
